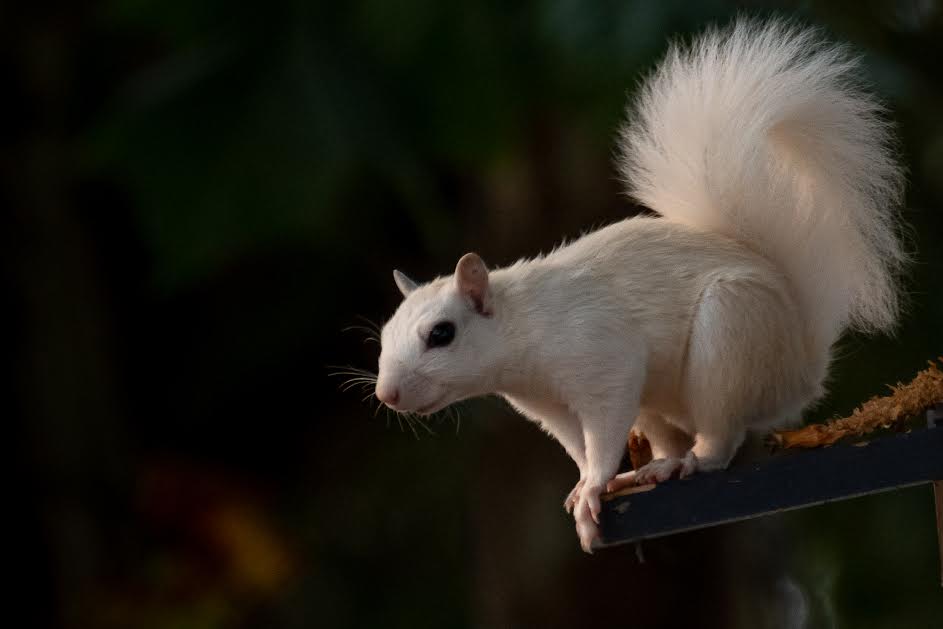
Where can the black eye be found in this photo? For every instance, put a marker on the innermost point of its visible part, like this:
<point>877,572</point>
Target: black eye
<point>441,335</point>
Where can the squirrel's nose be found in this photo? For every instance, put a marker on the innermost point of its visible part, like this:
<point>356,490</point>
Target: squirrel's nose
<point>388,395</point>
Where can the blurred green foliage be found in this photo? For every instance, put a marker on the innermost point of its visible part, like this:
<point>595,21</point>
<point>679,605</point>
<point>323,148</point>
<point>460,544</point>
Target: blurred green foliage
<point>205,194</point>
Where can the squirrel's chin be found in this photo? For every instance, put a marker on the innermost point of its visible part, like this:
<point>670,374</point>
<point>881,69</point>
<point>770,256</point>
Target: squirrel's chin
<point>435,407</point>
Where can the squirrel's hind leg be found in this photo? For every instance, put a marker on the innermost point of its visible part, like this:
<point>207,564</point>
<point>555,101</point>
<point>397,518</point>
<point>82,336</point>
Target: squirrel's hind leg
<point>711,451</point>
<point>669,445</point>
<point>745,363</point>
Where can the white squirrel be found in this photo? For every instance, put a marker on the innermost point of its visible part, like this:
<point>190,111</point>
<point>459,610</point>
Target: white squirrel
<point>777,184</point>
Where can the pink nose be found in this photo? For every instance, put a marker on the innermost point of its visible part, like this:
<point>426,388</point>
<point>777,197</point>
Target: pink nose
<point>389,396</point>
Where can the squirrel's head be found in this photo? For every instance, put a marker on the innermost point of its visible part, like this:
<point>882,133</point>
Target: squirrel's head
<point>440,343</point>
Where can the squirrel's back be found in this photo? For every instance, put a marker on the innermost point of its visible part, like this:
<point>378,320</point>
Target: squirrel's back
<point>761,132</point>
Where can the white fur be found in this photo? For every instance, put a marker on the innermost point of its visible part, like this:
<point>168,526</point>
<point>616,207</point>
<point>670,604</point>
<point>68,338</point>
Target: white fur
<point>762,133</point>
<point>778,189</point>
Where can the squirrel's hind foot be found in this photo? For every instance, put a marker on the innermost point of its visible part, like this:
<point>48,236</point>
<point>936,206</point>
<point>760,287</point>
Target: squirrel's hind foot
<point>660,470</point>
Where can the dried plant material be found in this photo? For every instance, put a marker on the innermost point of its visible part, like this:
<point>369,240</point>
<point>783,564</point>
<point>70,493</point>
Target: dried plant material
<point>905,401</point>
<point>628,491</point>
<point>640,451</point>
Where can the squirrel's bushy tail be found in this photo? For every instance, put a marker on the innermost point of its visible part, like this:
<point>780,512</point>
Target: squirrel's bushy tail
<point>762,132</point>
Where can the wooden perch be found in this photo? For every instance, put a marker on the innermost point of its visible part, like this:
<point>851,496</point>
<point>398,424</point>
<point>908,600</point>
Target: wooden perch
<point>794,480</point>
<point>906,401</point>
<point>789,480</point>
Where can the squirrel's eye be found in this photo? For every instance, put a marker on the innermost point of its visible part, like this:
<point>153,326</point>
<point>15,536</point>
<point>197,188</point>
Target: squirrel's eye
<point>441,334</point>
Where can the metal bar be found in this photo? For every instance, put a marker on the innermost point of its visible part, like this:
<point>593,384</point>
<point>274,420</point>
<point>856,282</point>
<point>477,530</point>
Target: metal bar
<point>788,480</point>
<point>938,498</point>
<point>935,419</point>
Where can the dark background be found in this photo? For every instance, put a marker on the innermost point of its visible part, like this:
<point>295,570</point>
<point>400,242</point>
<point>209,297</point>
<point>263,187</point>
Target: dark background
<point>200,196</point>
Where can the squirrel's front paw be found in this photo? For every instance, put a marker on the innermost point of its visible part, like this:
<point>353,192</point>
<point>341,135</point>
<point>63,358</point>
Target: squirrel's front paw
<point>588,532</point>
<point>586,527</point>
<point>586,515</point>
<point>573,496</point>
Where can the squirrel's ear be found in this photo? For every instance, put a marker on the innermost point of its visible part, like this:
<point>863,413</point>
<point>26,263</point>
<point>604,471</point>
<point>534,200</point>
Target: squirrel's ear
<point>405,285</point>
<point>471,279</point>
